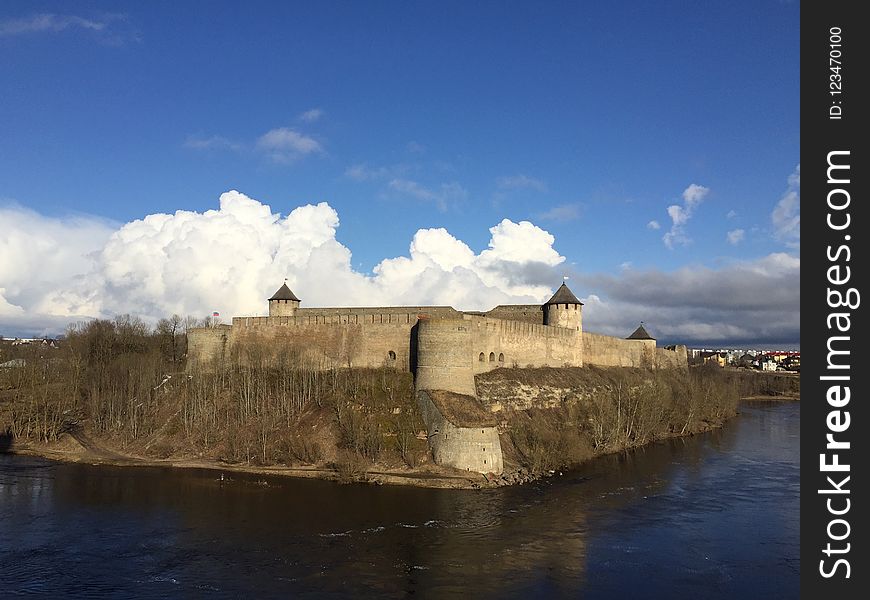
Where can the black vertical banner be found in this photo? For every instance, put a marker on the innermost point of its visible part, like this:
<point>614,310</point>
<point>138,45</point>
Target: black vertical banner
<point>835,364</point>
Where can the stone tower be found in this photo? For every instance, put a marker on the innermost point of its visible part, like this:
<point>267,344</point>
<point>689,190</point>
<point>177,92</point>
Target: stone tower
<point>563,310</point>
<point>444,356</point>
<point>283,303</point>
<point>642,336</point>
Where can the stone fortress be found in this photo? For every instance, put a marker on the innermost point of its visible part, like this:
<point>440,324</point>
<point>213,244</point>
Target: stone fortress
<point>444,348</point>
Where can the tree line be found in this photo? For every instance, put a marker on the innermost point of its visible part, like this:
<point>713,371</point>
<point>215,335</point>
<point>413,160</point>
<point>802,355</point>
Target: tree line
<point>129,384</point>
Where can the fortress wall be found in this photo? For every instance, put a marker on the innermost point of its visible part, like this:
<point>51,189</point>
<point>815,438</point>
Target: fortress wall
<point>444,356</point>
<point>379,340</point>
<point>606,351</point>
<point>206,344</point>
<point>413,312</point>
<point>529,313</point>
<point>672,359</point>
<point>318,346</point>
<point>521,344</point>
<point>469,448</point>
<point>378,336</point>
<point>363,340</point>
<point>326,318</point>
<point>361,316</point>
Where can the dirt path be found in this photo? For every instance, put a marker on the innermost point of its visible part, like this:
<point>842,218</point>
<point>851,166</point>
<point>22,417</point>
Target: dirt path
<point>95,451</point>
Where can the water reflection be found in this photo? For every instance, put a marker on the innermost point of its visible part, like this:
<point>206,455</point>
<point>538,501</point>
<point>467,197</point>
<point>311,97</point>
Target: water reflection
<point>712,514</point>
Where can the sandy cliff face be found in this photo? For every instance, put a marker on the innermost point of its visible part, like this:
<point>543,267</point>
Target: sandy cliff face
<point>524,389</point>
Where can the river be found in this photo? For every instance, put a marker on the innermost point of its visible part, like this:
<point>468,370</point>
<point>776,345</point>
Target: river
<point>711,516</point>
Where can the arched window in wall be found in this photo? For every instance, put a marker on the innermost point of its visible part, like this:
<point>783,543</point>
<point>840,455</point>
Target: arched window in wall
<point>501,358</point>
<point>391,355</point>
<point>481,358</point>
<point>492,357</point>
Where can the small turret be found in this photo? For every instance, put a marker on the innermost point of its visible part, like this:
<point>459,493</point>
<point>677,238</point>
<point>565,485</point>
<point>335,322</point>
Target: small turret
<point>648,342</point>
<point>283,303</point>
<point>563,310</point>
<point>640,334</point>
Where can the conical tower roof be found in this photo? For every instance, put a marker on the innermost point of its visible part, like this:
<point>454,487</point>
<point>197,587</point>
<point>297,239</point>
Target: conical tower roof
<point>284,293</point>
<point>563,296</point>
<point>640,334</point>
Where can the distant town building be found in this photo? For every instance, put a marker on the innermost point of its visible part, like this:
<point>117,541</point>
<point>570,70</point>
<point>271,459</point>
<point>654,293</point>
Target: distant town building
<point>788,360</point>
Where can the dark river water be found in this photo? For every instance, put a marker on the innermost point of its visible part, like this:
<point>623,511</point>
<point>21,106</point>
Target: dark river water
<point>713,516</point>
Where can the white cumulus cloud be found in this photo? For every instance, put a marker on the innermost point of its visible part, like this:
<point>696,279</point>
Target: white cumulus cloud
<point>280,145</point>
<point>40,255</point>
<point>694,194</point>
<point>735,236</point>
<point>230,259</point>
<point>680,215</point>
<point>312,115</point>
<point>786,216</point>
<point>285,145</point>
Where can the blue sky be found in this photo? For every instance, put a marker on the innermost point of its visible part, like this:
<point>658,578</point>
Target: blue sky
<point>587,119</point>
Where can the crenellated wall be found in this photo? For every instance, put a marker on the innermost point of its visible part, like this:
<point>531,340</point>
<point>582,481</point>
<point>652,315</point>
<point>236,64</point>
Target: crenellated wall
<point>380,313</point>
<point>378,336</point>
<point>501,343</point>
<point>607,351</point>
<point>529,313</point>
